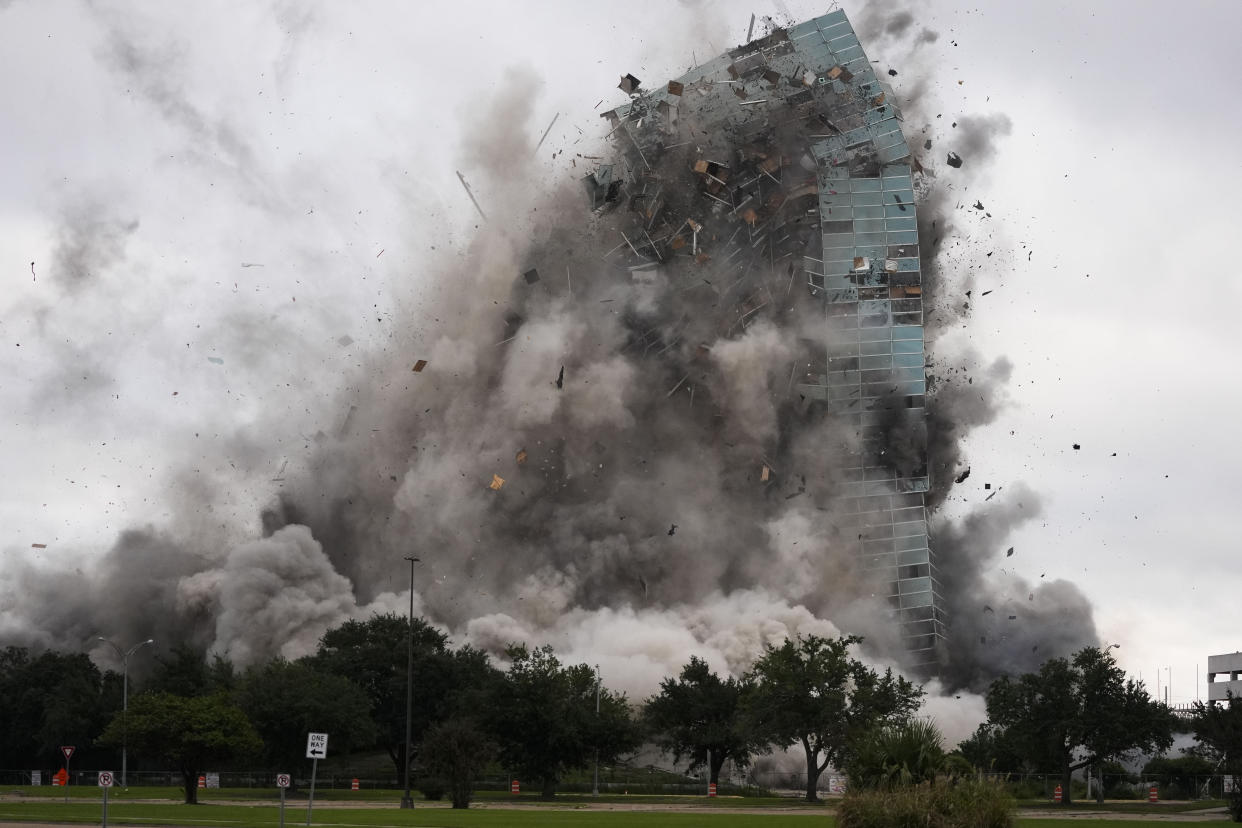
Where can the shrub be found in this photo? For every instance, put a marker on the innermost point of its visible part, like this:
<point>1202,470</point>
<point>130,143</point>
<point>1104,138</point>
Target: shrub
<point>964,804</point>
<point>909,753</point>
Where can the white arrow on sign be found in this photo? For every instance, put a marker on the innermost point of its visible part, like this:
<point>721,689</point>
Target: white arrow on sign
<point>282,780</point>
<point>105,779</point>
<point>316,745</point>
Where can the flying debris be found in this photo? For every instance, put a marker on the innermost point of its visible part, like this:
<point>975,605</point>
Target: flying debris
<point>531,276</point>
<point>961,478</point>
<point>672,529</point>
<point>38,546</point>
<point>1009,552</point>
<point>629,84</point>
<point>560,378</point>
<point>954,160</point>
<point>497,482</point>
<point>419,366</point>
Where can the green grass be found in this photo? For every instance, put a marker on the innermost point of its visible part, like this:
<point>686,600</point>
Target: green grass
<point>1109,823</point>
<point>243,816</point>
<point>567,813</point>
<point>1135,807</point>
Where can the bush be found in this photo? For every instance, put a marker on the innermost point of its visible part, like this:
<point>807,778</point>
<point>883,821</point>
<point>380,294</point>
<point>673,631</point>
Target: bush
<point>965,804</point>
<point>432,788</point>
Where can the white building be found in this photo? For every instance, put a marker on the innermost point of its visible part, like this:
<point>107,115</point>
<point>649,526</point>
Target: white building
<point>1223,676</point>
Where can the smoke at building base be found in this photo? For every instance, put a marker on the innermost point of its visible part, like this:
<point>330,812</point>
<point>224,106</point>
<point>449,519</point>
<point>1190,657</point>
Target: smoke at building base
<point>581,453</point>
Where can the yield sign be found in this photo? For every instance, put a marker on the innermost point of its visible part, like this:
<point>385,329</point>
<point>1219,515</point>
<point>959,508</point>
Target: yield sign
<point>68,751</point>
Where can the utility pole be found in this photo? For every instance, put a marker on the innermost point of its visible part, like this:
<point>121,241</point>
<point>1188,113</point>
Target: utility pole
<point>407,801</point>
<point>124,655</point>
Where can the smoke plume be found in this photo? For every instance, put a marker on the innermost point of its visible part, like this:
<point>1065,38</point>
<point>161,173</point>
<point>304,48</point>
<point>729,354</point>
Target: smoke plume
<point>588,438</point>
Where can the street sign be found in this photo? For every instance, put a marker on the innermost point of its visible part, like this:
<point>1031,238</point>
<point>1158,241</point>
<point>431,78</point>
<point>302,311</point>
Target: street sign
<point>316,745</point>
<point>68,751</point>
<point>282,780</point>
<point>105,779</point>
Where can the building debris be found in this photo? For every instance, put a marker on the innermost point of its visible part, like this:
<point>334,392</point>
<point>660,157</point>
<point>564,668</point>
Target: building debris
<point>473,201</point>
<point>1009,552</point>
<point>521,456</point>
<point>215,360</point>
<point>676,88</point>
<point>38,546</point>
<point>531,276</point>
<point>629,84</point>
<point>545,133</point>
<point>765,474</point>
<point>954,160</point>
<point>1077,447</point>
<point>961,478</point>
<point>33,278</point>
<point>497,482</point>
<point>381,253</point>
<point>672,529</point>
<point>978,205</point>
<point>560,378</point>
<point>419,366</point>
<point>892,73</point>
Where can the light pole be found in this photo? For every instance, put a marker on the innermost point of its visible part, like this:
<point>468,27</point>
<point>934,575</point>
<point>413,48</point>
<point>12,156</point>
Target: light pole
<point>407,801</point>
<point>124,655</point>
<point>595,787</point>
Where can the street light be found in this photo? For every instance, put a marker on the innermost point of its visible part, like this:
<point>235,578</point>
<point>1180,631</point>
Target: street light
<point>407,801</point>
<point>595,787</point>
<point>124,655</point>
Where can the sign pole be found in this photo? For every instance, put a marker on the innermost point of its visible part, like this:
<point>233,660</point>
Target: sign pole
<point>105,808</point>
<point>282,808</point>
<point>68,775</point>
<point>310,801</point>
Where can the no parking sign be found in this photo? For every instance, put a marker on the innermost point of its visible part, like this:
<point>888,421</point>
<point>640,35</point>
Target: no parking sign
<point>105,779</point>
<point>282,780</point>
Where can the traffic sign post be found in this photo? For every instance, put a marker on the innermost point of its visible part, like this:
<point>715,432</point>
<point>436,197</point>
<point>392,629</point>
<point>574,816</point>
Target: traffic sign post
<point>105,782</point>
<point>67,750</point>
<point>316,749</point>
<point>282,782</point>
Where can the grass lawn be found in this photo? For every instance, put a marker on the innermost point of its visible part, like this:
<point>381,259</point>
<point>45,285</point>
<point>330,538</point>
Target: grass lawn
<point>242,816</point>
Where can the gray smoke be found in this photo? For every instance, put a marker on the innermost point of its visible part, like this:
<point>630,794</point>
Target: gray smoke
<point>611,457</point>
<point>1003,624</point>
<point>92,240</point>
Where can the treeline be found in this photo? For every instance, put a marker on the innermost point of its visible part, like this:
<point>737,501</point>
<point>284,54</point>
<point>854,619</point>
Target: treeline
<point>539,718</point>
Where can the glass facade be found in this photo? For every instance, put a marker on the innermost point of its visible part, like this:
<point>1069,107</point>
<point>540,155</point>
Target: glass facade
<point>874,373</point>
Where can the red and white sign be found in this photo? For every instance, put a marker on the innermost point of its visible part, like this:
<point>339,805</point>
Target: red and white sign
<point>282,780</point>
<point>711,788</point>
<point>1152,795</point>
<point>105,779</point>
<point>514,787</point>
<point>68,751</point>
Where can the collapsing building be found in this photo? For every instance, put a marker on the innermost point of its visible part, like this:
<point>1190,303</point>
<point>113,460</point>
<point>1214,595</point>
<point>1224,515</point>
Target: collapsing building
<point>777,175</point>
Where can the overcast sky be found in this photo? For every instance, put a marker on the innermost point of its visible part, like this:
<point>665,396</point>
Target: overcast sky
<point>216,195</point>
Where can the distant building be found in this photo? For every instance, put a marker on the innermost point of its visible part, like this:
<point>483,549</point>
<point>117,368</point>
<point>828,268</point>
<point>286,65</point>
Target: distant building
<point>1224,676</point>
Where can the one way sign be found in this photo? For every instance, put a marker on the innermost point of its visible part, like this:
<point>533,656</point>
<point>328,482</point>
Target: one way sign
<point>316,745</point>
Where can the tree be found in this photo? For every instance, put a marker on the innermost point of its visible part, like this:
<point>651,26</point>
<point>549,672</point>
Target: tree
<point>285,701</point>
<point>1218,727</point>
<point>989,750</point>
<point>372,654</point>
<point>1077,713</point>
<point>908,753</point>
<point>51,700</point>
<point>544,717</point>
<point>810,691</point>
<point>189,732</point>
<point>187,671</point>
<point>458,751</point>
<point>1179,775</point>
<point>698,717</point>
